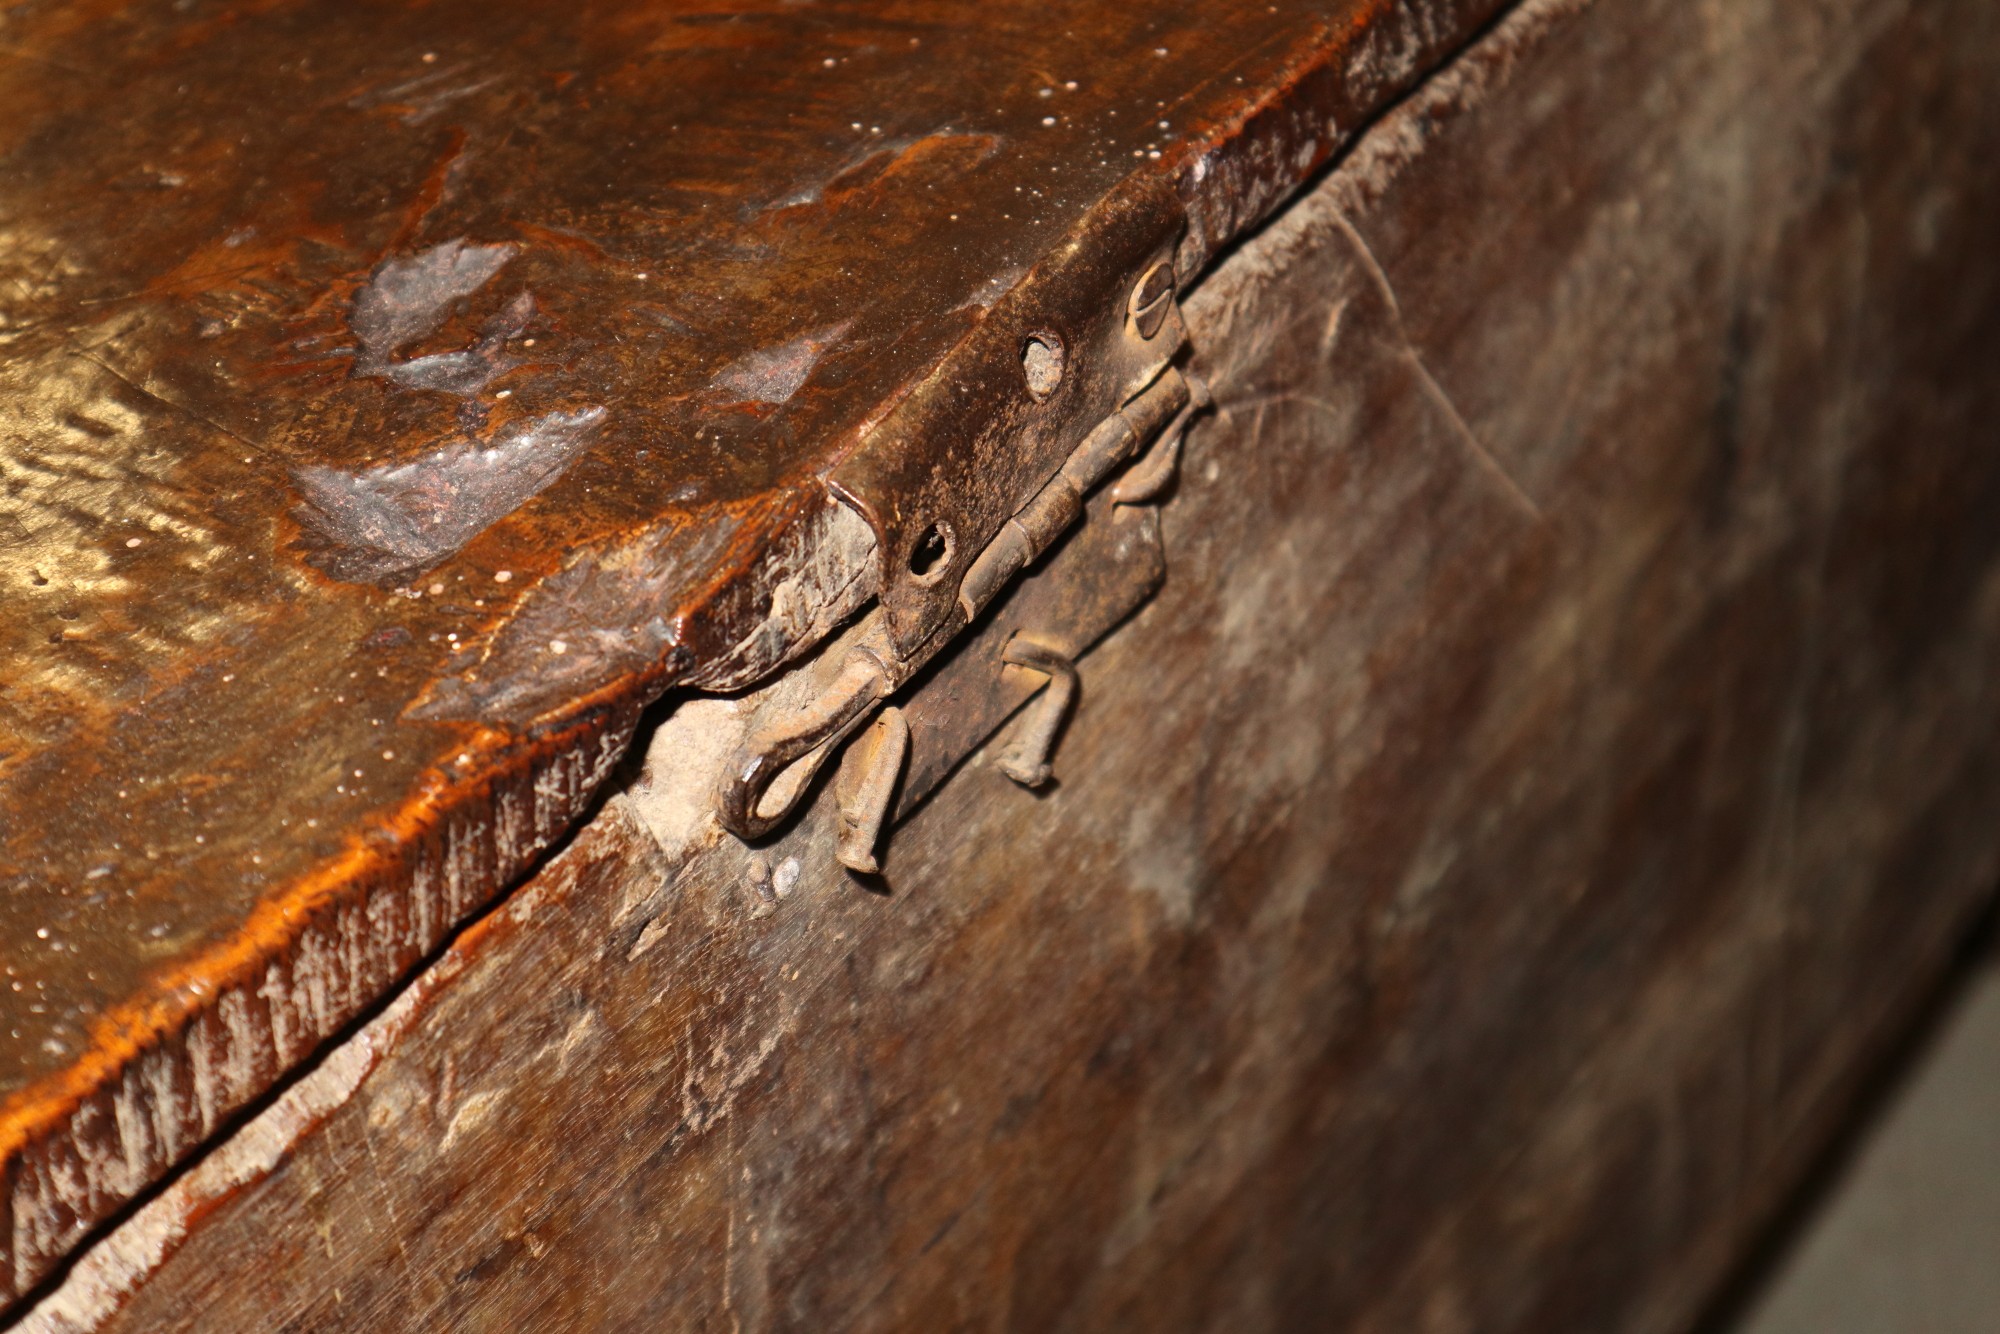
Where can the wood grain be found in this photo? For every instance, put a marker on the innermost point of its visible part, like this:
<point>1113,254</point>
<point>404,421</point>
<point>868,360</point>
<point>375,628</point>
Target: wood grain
<point>1563,743</point>
<point>395,400</point>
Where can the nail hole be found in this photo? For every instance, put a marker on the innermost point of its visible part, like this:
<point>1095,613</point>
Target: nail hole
<point>1042,360</point>
<point>932,553</point>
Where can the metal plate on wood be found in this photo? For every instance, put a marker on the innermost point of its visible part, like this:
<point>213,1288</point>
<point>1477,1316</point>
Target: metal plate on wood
<point>1102,572</point>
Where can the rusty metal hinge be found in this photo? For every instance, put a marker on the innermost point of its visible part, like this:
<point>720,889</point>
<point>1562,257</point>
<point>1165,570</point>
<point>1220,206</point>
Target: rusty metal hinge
<point>1022,640</point>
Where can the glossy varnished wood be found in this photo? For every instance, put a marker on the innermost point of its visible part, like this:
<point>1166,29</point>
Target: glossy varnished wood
<point>395,399</point>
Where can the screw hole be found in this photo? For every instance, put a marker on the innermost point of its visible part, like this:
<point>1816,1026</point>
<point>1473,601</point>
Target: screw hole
<point>932,553</point>
<point>1042,362</point>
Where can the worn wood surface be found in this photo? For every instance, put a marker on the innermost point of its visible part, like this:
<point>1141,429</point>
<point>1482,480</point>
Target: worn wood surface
<point>1564,741</point>
<point>395,399</point>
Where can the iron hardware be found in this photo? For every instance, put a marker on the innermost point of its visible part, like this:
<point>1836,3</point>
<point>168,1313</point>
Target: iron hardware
<point>868,776</point>
<point>769,775</point>
<point>1026,761</point>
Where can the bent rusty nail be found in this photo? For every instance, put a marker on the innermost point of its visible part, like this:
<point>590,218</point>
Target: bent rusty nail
<point>868,777</point>
<point>797,747</point>
<point>1026,759</point>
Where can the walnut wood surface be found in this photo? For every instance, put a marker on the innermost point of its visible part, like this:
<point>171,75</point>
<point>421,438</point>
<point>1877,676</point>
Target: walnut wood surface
<point>395,398</point>
<point>1565,740</point>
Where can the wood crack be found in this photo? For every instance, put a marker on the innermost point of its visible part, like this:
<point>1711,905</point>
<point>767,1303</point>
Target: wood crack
<point>1433,390</point>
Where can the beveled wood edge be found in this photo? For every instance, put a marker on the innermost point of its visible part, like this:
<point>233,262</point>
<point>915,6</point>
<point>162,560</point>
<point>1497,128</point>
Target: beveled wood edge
<point>168,1069</point>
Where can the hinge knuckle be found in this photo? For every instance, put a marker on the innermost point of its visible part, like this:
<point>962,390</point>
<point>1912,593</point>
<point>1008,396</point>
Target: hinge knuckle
<point>1110,444</point>
<point>1006,556</point>
<point>1049,515</point>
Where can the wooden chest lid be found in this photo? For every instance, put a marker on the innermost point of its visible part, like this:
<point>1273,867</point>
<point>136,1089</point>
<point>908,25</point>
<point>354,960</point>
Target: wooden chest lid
<point>395,399</point>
